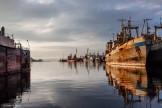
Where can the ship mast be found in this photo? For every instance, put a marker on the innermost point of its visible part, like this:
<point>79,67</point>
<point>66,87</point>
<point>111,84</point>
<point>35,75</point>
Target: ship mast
<point>147,26</point>
<point>122,29</point>
<point>155,30</point>
<point>127,30</point>
<point>122,22</point>
<point>129,27</point>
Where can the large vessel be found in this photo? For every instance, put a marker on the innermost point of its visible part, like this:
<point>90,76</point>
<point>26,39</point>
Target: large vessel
<point>13,57</point>
<point>128,49</point>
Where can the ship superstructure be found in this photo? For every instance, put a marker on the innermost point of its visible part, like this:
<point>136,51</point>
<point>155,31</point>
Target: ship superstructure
<point>156,48</point>
<point>127,49</point>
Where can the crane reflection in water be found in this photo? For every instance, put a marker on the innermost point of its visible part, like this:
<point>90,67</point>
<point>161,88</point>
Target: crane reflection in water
<point>89,66</point>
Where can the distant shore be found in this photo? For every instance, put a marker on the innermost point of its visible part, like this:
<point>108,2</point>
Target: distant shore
<point>36,60</point>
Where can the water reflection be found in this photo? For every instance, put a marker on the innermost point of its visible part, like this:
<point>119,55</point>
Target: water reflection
<point>88,65</point>
<point>155,76</point>
<point>69,85</point>
<point>83,85</point>
<point>12,88</point>
<point>136,85</point>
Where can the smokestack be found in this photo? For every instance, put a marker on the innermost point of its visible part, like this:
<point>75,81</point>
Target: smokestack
<point>3,31</point>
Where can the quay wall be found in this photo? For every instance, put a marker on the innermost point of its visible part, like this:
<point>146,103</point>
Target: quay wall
<point>2,59</point>
<point>13,60</point>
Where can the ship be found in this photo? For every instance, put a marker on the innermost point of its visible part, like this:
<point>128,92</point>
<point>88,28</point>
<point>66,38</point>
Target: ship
<point>127,49</point>
<point>71,58</point>
<point>13,56</point>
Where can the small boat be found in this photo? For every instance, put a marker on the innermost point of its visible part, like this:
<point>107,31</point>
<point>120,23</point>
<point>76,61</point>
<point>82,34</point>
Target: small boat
<point>75,60</point>
<point>63,60</point>
<point>71,58</point>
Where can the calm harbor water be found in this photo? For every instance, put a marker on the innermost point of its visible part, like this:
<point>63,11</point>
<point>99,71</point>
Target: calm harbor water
<point>81,85</point>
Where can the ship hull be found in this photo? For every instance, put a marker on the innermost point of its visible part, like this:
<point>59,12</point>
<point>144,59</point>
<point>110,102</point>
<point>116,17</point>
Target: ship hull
<point>133,52</point>
<point>155,53</point>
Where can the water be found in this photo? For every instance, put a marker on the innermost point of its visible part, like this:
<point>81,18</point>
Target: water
<point>81,85</point>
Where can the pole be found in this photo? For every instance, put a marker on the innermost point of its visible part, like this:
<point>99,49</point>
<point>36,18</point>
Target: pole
<point>76,52</point>
<point>113,36</point>
<point>6,60</point>
<point>28,44</point>
<point>87,50</point>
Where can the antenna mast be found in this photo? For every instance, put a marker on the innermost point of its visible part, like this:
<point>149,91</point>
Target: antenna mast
<point>122,21</point>
<point>147,26</point>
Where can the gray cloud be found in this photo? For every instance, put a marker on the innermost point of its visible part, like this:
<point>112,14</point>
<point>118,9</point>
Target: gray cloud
<point>73,20</point>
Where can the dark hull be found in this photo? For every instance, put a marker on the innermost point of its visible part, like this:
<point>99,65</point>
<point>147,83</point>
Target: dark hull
<point>71,60</point>
<point>13,60</point>
<point>155,55</point>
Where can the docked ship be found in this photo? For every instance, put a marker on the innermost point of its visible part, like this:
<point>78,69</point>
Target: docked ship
<point>127,49</point>
<point>13,57</point>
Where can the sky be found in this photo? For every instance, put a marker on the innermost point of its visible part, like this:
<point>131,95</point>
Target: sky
<point>56,28</point>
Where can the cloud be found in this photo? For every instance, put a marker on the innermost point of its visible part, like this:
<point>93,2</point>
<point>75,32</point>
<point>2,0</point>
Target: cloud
<point>41,1</point>
<point>79,21</point>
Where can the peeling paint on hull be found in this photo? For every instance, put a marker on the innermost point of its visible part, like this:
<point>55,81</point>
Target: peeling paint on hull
<point>130,53</point>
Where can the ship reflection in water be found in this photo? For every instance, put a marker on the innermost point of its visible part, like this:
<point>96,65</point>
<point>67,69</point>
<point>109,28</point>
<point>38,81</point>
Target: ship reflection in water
<point>12,88</point>
<point>82,85</point>
<point>88,65</point>
<point>136,86</point>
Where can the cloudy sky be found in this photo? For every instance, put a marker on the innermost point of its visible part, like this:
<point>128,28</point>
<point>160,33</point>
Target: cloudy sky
<point>57,27</point>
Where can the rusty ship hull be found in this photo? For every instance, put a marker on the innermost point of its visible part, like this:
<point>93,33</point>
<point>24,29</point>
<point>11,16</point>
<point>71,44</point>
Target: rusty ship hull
<point>133,52</point>
<point>129,48</point>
